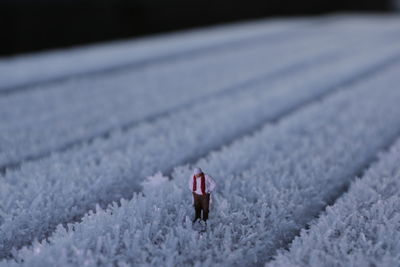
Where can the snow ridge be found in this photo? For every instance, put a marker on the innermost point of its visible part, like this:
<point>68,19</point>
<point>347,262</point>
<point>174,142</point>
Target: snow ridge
<point>102,172</point>
<point>28,72</point>
<point>264,198</point>
<point>22,137</point>
<point>360,229</point>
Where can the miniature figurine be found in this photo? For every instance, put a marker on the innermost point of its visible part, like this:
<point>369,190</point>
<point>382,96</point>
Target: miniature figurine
<point>201,185</point>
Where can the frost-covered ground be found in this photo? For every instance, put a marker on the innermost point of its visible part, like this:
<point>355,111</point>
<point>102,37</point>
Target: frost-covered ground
<point>284,114</point>
<point>361,229</point>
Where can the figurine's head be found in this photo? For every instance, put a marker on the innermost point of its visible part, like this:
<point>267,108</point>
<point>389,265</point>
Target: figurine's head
<point>197,172</point>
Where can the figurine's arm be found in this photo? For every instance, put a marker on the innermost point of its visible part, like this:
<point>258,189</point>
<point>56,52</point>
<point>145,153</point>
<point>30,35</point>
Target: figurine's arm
<point>191,183</point>
<point>211,184</point>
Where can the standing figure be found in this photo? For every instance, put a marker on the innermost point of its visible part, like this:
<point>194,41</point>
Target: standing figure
<point>201,185</point>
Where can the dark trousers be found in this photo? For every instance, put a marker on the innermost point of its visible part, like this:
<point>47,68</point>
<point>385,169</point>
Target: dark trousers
<point>201,202</point>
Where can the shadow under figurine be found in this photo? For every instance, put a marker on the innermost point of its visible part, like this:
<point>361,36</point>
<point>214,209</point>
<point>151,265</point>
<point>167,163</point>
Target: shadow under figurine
<point>201,185</point>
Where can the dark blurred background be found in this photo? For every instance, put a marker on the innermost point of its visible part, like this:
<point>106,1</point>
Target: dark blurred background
<point>32,25</point>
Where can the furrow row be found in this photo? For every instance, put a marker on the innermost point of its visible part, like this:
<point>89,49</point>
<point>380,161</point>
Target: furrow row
<point>270,185</point>
<point>26,72</point>
<point>40,195</point>
<point>360,229</point>
<point>40,133</point>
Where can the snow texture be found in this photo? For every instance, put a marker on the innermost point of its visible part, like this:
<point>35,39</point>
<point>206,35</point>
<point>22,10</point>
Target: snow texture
<point>97,110</point>
<point>268,190</point>
<point>283,114</point>
<point>152,182</point>
<point>361,229</point>
<point>106,170</point>
<point>23,70</point>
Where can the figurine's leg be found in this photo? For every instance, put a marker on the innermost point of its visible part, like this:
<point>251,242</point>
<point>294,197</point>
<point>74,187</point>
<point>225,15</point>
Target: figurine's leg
<point>197,206</point>
<point>206,205</point>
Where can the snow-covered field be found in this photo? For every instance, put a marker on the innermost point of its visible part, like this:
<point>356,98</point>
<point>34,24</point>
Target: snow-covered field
<point>284,114</point>
<point>361,229</point>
